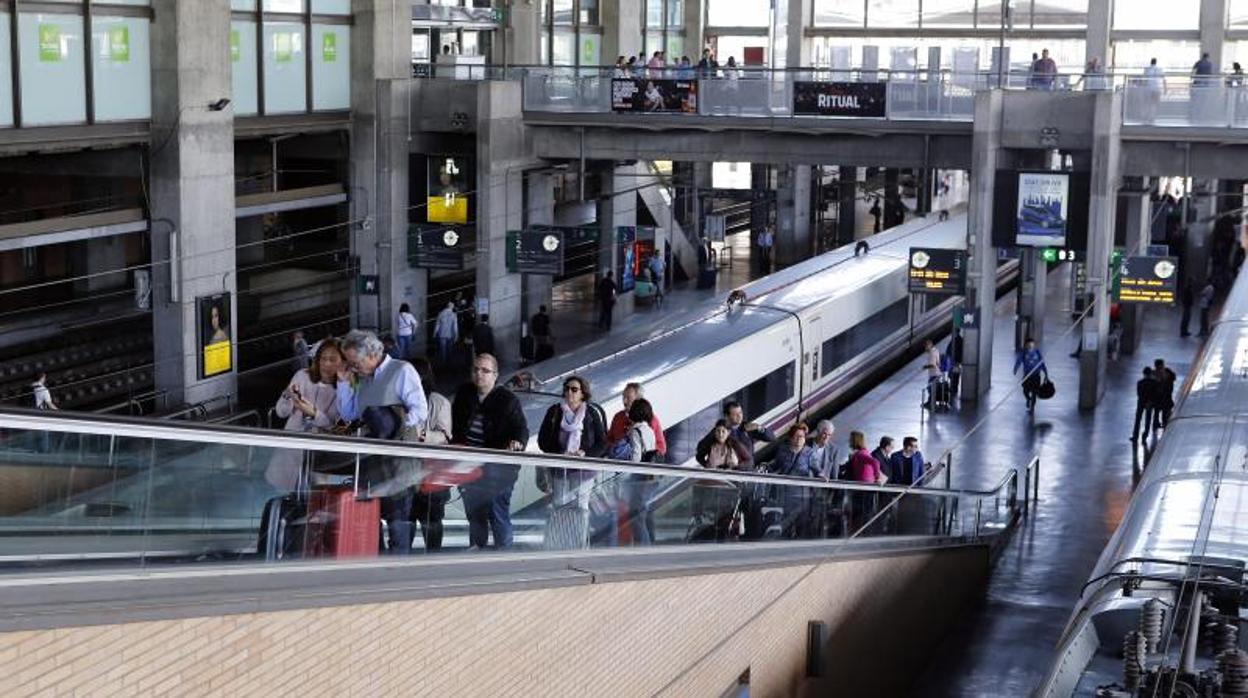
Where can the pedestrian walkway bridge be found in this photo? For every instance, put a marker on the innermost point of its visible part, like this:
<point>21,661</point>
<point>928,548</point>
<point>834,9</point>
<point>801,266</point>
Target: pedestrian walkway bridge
<point>125,533</point>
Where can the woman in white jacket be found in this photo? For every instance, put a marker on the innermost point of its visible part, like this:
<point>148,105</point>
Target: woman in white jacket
<point>309,405</point>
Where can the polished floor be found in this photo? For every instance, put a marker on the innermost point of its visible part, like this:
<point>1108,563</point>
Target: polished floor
<point>1003,645</point>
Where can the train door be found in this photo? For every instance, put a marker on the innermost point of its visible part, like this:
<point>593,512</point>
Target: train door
<point>812,346</point>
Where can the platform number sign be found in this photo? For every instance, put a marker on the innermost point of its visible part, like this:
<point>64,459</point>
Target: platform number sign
<point>537,250</point>
<point>937,271</point>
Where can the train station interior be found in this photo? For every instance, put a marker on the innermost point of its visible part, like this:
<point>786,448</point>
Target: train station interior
<point>623,347</point>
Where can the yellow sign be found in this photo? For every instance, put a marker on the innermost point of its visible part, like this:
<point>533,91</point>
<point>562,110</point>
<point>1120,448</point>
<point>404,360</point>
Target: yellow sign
<point>448,208</point>
<point>217,359</point>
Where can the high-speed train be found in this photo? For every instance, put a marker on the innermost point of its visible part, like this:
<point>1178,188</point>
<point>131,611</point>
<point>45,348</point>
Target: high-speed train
<point>1182,545</point>
<point>803,338</point>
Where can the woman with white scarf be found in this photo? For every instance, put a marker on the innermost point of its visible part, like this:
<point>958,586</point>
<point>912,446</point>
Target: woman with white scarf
<point>572,427</point>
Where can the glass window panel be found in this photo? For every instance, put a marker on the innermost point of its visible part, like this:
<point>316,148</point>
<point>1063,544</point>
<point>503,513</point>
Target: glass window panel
<point>948,13</point>
<point>1067,53</point>
<point>1050,14</point>
<point>988,15</point>
<point>1171,54</point>
<point>735,47</point>
<point>54,86</point>
<point>470,43</point>
<point>420,45</point>
<point>893,13</point>
<point>591,49</point>
<point>245,5</point>
<point>6,72</point>
<point>654,42</point>
<point>139,3</point>
<point>1156,15</point>
<point>544,57</point>
<point>739,13</point>
<point>676,45</point>
<point>1237,13</point>
<point>243,68</point>
<point>331,7</point>
<point>589,12</point>
<point>563,12</point>
<point>121,68</point>
<point>654,14</point>
<point>675,13</point>
<point>331,66</point>
<point>285,77</point>
<point>283,5</point>
<point>840,13</point>
<point>564,47</point>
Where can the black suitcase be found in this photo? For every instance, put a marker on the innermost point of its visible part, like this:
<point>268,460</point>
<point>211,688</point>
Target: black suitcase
<point>706,278</point>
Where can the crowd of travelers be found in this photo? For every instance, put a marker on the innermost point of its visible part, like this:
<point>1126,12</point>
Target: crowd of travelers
<point>359,384</point>
<point>658,66</point>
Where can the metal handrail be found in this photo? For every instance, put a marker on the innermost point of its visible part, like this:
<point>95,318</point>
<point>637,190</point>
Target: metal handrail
<point>217,434</point>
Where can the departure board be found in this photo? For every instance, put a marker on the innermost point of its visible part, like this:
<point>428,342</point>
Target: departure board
<point>937,271</point>
<point>1149,280</point>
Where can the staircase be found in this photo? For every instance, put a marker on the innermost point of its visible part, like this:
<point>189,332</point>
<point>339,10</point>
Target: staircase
<point>658,199</point>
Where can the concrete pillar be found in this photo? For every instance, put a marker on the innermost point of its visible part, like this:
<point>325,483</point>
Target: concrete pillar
<point>981,289</point>
<point>539,209</point>
<point>617,207</point>
<point>846,205</point>
<point>1100,22</point>
<point>894,213</point>
<point>925,183</point>
<point>794,237</point>
<point>523,35</point>
<point>380,131</point>
<point>1106,143</point>
<point>1213,30</point>
<point>1029,321</point>
<point>501,161</point>
<point>695,27</point>
<point>622,30</point>
<point>192,190</point>
<point>797,19</point>
<point>1138,207</point>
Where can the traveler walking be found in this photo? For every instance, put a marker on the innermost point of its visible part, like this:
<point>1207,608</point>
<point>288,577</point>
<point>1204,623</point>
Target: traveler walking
<point>1046,71</point>
<point>1154,85</point>
<point>1146,393</point>
<point>1031,361</point>
<point>1187,298</point>
<point>935,375</point>
<point>573,426</point>
<point>483,336</point>
<point>657,269</point>
<point>387,396</point>
<point>606,300</point>
<point>539,325</point>
<point>429,502</point>
<point>446,332</point>
<point>486,415</point>
<point>766,250</point>
<point>1164,402</point>
<point>405,331</point>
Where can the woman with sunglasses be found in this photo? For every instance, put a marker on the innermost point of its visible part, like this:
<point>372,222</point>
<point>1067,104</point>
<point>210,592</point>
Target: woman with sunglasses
<point>572,427</point>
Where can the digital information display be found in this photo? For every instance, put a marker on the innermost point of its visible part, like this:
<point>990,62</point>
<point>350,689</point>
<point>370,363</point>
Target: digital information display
<point>937,271</point>
<point>535,251</point>
<point>1150,280</point>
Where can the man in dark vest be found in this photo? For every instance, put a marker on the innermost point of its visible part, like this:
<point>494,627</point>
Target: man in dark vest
<point>386,395</point>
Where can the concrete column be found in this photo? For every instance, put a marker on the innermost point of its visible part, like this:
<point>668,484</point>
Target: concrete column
<point>982,263</point>
<point>846,205</point>
<point>894,214</point>
<point>794,241</point>
<point>617,207</point>
<point>695,26</point>
<point>192,190</point>
<point>524,35</point>
<point>1029,322</point>
<point>1213,30</point>
<point>380,131</point>
<point>1138,223</point>
<point>622,29</point>
<point>1100,21</point>
<point>539,209</point>
<point>1106,143</point>
<point>501,161</point>
<point>798,18</point>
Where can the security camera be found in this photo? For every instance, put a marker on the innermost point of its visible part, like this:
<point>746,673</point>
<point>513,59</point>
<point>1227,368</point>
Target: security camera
<point>219,105</point>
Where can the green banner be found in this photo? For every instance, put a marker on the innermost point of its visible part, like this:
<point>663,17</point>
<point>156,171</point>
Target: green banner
<point>236,46</point>
<point>49,43</point>
<point>119,44</point>
<point>329,47</point>
<point>283,47</point>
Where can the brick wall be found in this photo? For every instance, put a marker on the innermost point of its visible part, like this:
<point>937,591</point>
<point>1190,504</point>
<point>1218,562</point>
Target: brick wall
<point>629,638</point>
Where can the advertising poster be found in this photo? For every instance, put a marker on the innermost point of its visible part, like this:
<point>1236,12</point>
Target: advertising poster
<point>215,351</point>
<point>860,99</point>
<point>626,236</point>
<point>1043,203</point>
<point>654,95</point>
<point>448,190</point>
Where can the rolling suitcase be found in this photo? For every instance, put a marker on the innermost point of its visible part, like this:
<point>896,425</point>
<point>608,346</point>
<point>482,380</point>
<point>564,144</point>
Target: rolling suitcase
<point>339,525</point>
<point>706,278</point>
<point>567,528</point>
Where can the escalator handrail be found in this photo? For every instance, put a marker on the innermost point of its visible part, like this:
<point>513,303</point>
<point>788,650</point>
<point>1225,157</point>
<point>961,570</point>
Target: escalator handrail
<point>218,434</point>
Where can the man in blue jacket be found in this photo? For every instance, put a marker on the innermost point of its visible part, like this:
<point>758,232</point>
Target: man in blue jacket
<point>906,466</point>
<point>1032,362</point>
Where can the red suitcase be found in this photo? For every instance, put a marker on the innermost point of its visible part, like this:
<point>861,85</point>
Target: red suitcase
<point>339,525</point>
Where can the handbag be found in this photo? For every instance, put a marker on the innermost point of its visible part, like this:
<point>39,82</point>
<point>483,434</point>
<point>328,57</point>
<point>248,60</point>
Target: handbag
<point>1046,390</point>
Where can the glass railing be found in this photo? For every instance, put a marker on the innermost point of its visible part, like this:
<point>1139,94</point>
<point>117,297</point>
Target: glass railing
<point>83,492</point>
<point>1210,101</point>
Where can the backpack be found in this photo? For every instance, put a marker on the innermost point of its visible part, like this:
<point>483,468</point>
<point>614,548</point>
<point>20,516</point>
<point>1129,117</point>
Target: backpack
<point>621,450</point>
<point>946,363</point>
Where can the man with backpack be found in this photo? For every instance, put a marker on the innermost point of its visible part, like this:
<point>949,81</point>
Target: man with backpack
<point>618,430</point>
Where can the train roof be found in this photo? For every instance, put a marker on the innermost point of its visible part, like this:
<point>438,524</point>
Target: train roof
<point>648,349</point>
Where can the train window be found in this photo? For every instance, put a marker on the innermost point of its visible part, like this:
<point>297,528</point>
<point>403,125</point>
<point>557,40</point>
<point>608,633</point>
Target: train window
<point>864,334</point>
<point>766,393</point>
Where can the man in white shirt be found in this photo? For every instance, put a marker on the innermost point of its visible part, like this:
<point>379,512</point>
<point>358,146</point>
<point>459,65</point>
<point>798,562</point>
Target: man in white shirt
<point>1154,84</point>
<point>43,396</point>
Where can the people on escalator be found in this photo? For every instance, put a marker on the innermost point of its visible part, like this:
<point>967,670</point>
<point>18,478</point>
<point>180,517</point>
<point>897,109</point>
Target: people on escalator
<point>387,397</point>
<point>487,415</point>
<point>620,422</point>
<point>794,459</point>
<point>571,427</point>
<point>309,404</point>
<point>431,497</point>
<point>745,433</point>
<point>724,451</point>
<point>1035,373</point>
<point>42,396</point>
<point>824,453</point>
<point>714,501</point>
<point>883,454</point>
<point>640,445</point>
<point>906,467</point>
<point>827,505</point>
<point>864,468</point>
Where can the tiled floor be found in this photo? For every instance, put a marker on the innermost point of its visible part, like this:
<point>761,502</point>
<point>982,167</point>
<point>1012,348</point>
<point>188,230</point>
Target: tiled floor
<point>1003,646</point>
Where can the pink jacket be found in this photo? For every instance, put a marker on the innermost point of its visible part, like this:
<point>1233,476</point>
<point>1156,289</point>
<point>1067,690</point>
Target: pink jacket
<point>863,467</point>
